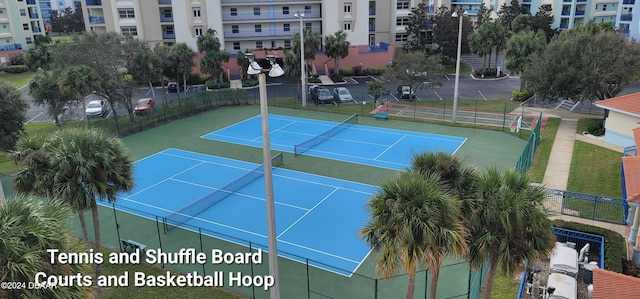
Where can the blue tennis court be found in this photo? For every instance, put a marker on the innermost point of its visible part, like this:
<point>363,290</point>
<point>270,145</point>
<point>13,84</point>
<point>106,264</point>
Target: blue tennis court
<point>375,146</point>
<point>316,217</point>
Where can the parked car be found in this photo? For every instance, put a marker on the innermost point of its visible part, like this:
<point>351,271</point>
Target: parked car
<point>342,95</point>
<point>406,92</point>
<point>174,86</point>
<point>144,105</point>
<point>321,96</point>
<point>96,108</point>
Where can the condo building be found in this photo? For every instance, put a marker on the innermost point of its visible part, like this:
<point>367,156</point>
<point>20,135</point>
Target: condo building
<point>20,22</point>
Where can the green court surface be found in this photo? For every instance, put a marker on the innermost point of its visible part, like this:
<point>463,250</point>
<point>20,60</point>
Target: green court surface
<point>298,280</point>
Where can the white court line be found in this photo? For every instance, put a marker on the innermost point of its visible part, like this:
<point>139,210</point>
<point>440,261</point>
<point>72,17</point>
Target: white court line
<point>308,211</point>
<point>35,117</point>
<point>319,251</point>
<point>229,126</point>
<point>388,148</point>
<point>273,131</point>
<point>166,179</point>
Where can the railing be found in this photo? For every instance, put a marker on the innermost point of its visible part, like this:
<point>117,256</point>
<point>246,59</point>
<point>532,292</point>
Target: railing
<point>94,2</point>
<point>596,248</point>
<point>168,35</point>
<point>266,32</point>
<point>33,16</point>
<point>628,2</point>
<point>626,17</point>
<point>164,2</point>
<point>31,2</point>
<point>245,1</point>
<point>36,30</point>
<point>579,13</point>
<point>566,12</point>
<point>372,28</point>
<point>372,11</point>
<point>11,47</point>
<point>588,206</point>
<point>250,16</point>
<point>96,20</point>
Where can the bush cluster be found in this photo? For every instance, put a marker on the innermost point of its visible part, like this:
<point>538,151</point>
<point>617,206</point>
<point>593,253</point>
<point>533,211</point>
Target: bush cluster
<point>521,95</point>
<point>336,77</point>
<point>219,85</point>
<point>359,71</point>
<point>15,69</point>
<point>488,72</point>
<point>615,246</point>
<point>596,128</point>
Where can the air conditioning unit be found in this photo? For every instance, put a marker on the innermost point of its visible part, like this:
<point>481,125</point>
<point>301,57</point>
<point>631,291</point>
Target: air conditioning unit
<point>564,260</point>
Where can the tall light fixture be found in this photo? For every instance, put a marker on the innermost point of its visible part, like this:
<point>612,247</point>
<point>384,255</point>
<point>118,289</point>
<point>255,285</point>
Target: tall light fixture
<point>274,71</point>
<point>457,81</point>
<point>303,75</point>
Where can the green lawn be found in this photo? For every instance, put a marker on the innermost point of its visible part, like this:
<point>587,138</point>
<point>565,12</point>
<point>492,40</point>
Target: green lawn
<point>505,287</point>
<point>548,135</point>
<point>451,69</point>
<point>595,170</point>
<point>17,80</point>
<point>585,123</point>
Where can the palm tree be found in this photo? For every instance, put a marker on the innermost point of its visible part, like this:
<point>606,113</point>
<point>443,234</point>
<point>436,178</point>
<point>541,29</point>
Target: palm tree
<point>509,224</point>
<point>45,92</point>
<point>145,67</point>
<point>181,56</point>
<point>211,63</point>
<point>479,46</point>
<point>82,166</point>
<point>243,63</point>
<point>520,49</point>
<point>336,46</point>
<point>455,176</point>
<point>28,227</point>
<point>414,222</point>
<point>80,80</point>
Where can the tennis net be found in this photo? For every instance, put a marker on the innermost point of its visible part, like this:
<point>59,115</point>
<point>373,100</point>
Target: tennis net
<point>312,142</point>
<point>183,215</point>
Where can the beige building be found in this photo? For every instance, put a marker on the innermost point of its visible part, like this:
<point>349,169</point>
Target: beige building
<point>622,115</point>
<point>20,22</point>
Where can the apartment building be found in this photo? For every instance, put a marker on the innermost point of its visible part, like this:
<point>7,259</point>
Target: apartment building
<point>46,6</point>
<point>20,22</point>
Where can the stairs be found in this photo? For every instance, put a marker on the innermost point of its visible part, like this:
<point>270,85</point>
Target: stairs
<point>567,105</point>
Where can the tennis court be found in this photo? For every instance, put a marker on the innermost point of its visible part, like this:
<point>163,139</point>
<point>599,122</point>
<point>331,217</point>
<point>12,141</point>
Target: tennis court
<point>317,217</point>
<point>346,141</point>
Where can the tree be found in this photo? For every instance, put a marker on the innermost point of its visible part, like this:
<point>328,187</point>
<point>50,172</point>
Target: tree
<point>414,222</point>
<point>292,57</point>
<point>509,224</point>
<point>542,21</point>
<point>13,114</point>
<point>243,62</point>
<point>28,228</point>
<point>581,64</point>
<point>376,90</point>
<point>336,46</point>
<point>484,14</point>
<point>416,70</point>
<point>446,33</point>
<point>69,20</point>
<point>83,166</point>
<point>45,92</point>
<point>419,29</point>
<point>181,62</point>
<point>455,176</point>
<point>507,13</point>
<point>498,37</point>
<point>161,52</point>
<point>79,81</point>
<point>39,57</point>
<point>211,63</point>
<point>520,50</point>
<point>145,66</point>
<point>480,44</point>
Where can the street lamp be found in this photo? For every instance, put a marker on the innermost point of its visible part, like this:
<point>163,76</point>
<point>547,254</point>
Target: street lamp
<point>457,82</point>
<point>274,71</point>
<point>300,15</point>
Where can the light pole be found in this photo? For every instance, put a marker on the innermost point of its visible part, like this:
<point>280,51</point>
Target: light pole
<point>457,81</point>
<point>274,71</point>
<point>303,77</point>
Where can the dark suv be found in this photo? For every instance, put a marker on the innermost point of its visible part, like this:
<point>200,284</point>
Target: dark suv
<point>321,96</point>
<point>173,86</point>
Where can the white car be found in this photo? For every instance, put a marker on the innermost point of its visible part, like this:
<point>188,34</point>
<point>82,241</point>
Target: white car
<point>96,108</point>
<point>343,95</point>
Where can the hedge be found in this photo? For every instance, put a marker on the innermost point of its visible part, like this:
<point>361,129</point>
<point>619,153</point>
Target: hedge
<point>615,246</point>
<point>15,69</point>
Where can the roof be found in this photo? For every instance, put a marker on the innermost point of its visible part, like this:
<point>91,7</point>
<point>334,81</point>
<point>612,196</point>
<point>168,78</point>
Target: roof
<point>627,104</point>
<point>611,285</point>
<point>631,165</point>
<point>636,136</point>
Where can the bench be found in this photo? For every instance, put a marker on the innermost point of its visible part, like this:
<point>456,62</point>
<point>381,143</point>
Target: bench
<point>130,246</point>
<point>381,115</point>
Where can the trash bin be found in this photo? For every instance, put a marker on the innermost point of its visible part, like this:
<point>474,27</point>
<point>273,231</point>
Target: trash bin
<point>587,276</point>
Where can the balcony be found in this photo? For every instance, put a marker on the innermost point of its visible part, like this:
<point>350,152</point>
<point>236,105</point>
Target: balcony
<point>164,2</point>
<point>94,2</point>
<point>526,1</point>
<point>165,18</point>
<point>466,1</point>
<point>36,30</point>
<point>628,2</point>
<point>626,17</point>
<point>372,11</point>
<point>33,16</point>
<point>31,2</point>
<point>11,47</point>
<point>242,34</point>
<point>168,35</point>
<point>579,12</point>
<point>268,16</point>
<point>430,9</point>
<point>566,12</point>
<point>564,26</point>
<point>247,1</point>
<point>96,20</point>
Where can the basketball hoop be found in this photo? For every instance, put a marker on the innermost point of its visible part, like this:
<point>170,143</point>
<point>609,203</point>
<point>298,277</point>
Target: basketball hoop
<point>519,124</point>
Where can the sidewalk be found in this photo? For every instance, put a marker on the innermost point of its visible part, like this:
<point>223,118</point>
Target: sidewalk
<point>557,174</point>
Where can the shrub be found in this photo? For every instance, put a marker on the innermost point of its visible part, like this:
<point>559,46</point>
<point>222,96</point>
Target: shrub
<point>18,59</point>
<point>249,82</point>
<point>357,70</point>
<point>488,72</point>
<point>596,128</point>
<point>220,85</point>
<point>615,246</point>
<point>336,77</point>
<point>376,70</point>
<point>520,95</point>
<point>313,80</point>
<point>15,69</point>
<point>347,72</point>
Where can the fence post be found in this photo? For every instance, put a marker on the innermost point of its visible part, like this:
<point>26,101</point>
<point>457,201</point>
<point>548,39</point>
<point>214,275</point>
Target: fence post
<point>308,282</point>
<point>113,205</point>
<point>204,270</point>
<point>564,194</point>
<point>504,116</point>
<point>159,238</point>
<point>375,288</point>
<point>595,205</point>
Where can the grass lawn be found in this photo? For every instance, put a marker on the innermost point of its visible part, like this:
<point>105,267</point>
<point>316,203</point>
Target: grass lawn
<point>505,287</point>
<point>451,69</point>
<point>541,157</point>
<point>155,292</point>
<point>17,80</point>
<point>585,123</point>
<point>595,170</point>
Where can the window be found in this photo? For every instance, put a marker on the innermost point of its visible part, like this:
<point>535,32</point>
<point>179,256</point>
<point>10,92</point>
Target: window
<point>29,40</point>
<point>126,14</point>
<point>236,45</point>
<point>234,29</point>
<point>234,11</point>
<point>403,5</point>
<point>307,26</point>
<point>256,11</point>
<point>307,9</point>
<point>347,7</point>
<point>167,13</point>
<point>4,26</point>
<point>198,31</point>
<point>346,26</point>
<point>402,21</point>
<point>196,12</point>
<point>23,12</point>
<point>401,37</point>
<point>604,7</point>
<point>372,40</point>
<point>273,44</point>
<point>287,44</point>
<point>25,26</point>
<point>130,30</point>
<point>285,10</point>
<point>259,44</point>
<point>286,27</point>
<point>258,28</point>
<point>167,29</point>
<point>1,10</point>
